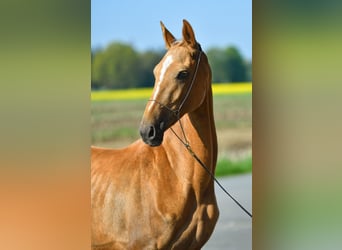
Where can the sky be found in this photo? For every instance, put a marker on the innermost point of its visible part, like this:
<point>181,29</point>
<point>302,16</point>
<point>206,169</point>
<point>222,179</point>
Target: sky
<point>215,23</point>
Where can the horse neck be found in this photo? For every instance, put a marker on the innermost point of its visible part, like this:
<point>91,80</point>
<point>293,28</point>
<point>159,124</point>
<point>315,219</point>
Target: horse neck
<point>203,132</point>
<point>199,129</point>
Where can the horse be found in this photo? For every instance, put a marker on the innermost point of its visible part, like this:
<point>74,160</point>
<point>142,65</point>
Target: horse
<point>154,194</point>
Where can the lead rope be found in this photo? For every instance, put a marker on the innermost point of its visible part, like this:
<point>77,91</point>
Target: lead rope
<point>185,142</point>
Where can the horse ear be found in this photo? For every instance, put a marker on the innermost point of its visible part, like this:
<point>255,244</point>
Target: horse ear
<point>168,37</point>
<point>188,33</point>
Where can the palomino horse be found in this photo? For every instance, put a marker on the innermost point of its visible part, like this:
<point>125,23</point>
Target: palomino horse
<point>154,194</point>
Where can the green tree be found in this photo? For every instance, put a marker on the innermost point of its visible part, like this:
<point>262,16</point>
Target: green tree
<point>217,58</point>
<point>227,65</point>
<point>116,67</point>
<point>235,66</point>
<point>94,84</point>
<point>148,60</point>
<point>248,71</point>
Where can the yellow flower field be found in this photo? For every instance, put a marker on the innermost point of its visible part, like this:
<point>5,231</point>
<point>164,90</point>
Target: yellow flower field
<point>145,93</point>
<point>236,88</point>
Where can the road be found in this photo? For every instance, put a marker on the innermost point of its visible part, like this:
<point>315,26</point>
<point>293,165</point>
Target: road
<point>234,228</point>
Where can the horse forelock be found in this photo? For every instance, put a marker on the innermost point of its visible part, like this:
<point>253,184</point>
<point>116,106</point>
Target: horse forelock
<point>180,43</point>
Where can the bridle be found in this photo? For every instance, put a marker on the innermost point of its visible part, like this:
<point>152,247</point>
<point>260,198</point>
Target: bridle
<point>185,141</point>
<point>177,111</point>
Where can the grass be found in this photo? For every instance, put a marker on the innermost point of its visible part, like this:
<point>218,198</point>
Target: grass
<point>226,166</point>
<point>116,120</point>
<point>119,133</point>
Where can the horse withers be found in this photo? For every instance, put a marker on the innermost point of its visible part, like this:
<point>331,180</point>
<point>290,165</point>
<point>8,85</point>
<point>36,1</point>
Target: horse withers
<point>153,194</point>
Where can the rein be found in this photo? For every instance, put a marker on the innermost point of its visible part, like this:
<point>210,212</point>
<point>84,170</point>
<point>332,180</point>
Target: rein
<point>186,143</point>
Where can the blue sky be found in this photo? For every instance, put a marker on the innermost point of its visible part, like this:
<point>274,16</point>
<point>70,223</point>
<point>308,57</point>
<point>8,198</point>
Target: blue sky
<point>216,23</point>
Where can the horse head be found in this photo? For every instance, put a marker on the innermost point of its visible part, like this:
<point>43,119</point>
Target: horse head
<point>182,79</point>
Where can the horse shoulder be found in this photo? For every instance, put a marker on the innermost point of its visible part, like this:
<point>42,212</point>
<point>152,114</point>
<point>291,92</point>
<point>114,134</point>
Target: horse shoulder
<point>113,186</point>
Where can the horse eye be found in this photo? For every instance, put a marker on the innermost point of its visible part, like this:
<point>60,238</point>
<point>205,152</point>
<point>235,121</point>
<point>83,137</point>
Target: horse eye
<point>182,75</point>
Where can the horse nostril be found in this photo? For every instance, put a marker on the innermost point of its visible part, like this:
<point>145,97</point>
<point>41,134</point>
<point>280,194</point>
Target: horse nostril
<point>151,132</point>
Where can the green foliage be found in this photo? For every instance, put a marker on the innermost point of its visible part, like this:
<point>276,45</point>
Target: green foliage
<point>116,67</point>
<point>228,65</point>
<point>148,60</point>
<point>120,66</point>
<point>226,166</point>
<point>217,60</point>
<point>235,66</point>
<point>249,71</point>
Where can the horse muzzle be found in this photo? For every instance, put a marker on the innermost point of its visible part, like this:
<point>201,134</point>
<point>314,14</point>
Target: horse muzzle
<point>152,134</point>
